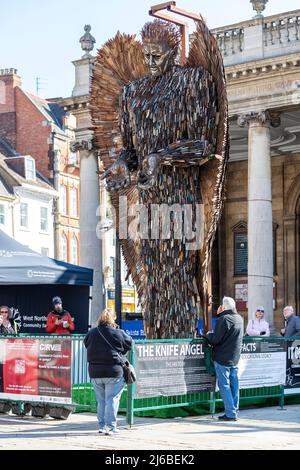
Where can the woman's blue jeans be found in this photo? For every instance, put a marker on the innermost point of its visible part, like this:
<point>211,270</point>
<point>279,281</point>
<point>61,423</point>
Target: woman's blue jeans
<point>108,391</point>
<point>228,383</point>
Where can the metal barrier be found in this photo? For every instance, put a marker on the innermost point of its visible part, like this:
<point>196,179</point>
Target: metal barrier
<point>209,399</point>
<point>83,396</point>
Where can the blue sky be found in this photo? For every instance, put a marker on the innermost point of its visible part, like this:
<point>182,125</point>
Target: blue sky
<point>40,37</point>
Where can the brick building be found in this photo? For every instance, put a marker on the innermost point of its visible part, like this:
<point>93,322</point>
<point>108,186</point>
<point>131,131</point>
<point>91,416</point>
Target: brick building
<point>42,129</point>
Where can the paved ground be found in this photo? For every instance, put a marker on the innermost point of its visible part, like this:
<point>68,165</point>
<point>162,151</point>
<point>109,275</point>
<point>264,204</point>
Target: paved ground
<point>263,428</point>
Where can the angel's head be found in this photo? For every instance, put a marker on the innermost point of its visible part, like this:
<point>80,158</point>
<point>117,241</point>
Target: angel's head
<point>161,42</point>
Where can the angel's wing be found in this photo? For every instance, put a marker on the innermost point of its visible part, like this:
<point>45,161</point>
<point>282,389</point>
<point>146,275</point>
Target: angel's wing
<point>204,52</point>
<point>118,62</point>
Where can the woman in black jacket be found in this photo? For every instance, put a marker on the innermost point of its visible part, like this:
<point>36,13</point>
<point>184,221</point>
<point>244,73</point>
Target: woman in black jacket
<point>103,344</point>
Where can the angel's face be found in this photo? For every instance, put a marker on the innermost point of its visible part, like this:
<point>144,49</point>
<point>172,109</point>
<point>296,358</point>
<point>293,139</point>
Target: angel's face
<point>159,59</point>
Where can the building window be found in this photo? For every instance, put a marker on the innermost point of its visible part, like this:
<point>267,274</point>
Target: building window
<point>72,158</point>
<point>30,169</point>
<point>241,249</point>
<point>74,250</point>
<point>63,248</point>
<point>24,215</point>
<point>44,219</point>
<point>63,199</point>
<point>73,200</point>
<point>45,251</point>
<point>240,254</point>
<point>2,214</point>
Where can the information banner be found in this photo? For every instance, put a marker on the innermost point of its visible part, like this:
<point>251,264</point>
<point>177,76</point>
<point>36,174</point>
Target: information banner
<point>168,369</point>
<point>36,370</point>
<point>292,368</point>
<point>262,363</point>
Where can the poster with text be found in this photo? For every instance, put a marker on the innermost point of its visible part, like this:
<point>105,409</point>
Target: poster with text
<point>168,369</point>
<point>262,363</point>
<point>292,385</point>
<point>36,370</point>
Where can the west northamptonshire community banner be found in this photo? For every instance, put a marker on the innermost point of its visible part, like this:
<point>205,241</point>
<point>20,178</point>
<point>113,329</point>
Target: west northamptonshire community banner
<point>37,370</point>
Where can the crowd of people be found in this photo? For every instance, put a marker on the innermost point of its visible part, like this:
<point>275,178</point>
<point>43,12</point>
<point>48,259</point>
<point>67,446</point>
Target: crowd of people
<point>226,341</point>
<point>60,321</point>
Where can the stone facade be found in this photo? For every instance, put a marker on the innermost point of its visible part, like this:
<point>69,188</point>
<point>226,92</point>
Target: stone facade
<point>263,81</point>
<point>285,209</point>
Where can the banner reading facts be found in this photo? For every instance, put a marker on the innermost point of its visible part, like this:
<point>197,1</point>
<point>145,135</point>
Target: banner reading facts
<point>262,363</point>
<point>36,370</point>
<point>166,369</point>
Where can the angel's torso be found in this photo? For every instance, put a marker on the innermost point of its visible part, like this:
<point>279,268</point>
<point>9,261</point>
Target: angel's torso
<point>158,111</point>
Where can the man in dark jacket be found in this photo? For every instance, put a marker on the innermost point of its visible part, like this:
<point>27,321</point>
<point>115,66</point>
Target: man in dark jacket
<point>292,322</point>
<point>227,346</point>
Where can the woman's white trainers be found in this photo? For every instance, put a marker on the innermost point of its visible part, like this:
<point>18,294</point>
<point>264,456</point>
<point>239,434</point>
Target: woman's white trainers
<point>112,432</point>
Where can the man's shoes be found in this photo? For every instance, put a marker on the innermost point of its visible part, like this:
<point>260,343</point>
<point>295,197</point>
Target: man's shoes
<point>102,431</point>
<point>226,418</point>
<point>112,432</point>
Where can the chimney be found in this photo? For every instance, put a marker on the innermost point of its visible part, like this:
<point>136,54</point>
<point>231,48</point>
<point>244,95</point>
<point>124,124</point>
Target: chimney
<point>9,80</point>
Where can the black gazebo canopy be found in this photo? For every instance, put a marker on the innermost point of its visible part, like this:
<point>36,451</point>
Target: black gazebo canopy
<point>20,265</point>
<point>29,281</point>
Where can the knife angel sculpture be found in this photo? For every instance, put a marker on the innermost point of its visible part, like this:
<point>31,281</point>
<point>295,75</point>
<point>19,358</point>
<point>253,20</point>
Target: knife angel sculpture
<point>162,133</point>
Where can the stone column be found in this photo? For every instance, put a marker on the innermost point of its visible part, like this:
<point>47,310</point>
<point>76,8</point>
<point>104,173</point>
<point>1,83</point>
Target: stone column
<point>90,244</point>
<point>260,226</point>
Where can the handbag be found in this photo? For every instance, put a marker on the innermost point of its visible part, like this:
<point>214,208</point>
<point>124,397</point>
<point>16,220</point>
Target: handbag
<point>128,369</point>
<point>129,372</point>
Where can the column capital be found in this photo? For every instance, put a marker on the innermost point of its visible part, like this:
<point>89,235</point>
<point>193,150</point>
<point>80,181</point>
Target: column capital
<point>84,146</point>
<point>81,144</point>
<point>260,118</point>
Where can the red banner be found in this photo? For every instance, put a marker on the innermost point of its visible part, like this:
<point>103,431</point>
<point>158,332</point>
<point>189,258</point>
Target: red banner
<point>36,369</point>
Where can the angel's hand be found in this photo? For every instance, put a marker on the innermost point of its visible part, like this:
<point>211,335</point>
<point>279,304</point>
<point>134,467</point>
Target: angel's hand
<point>148,173</point>
<point>117,176</point>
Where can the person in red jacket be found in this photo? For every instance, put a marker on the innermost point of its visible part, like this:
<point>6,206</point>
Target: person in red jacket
<point>59,321</point>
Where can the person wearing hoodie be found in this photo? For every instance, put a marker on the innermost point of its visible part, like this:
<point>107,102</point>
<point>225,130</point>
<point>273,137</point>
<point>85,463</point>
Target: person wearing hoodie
<point>59,320</point>
<point>257,326</point>
<point>227,347</point>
